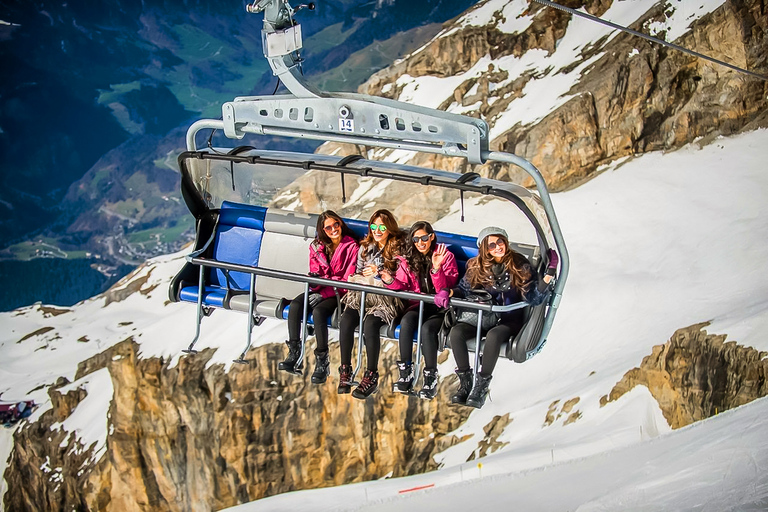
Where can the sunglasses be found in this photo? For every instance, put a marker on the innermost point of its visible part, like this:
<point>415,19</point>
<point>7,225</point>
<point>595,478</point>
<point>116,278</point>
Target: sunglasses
<point>493,245</point>
<point>422,238</point>
<point>333,227</point>
<point>380,227</point>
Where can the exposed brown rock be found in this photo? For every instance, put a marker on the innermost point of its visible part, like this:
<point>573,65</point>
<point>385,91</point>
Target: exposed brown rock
<point>572,418</point>
<point>568,406</point>
<point>550,417</point>
<point>637,97</point>
<point>50,311</point>
<point>38,332</point>
<point>695,375</point>
<point>196,435</point>
<point>129,285</point>
<point>553,415</point>
<point>490,443</point>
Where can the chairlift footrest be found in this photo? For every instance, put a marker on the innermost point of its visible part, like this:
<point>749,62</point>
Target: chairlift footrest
<point>189,351</point>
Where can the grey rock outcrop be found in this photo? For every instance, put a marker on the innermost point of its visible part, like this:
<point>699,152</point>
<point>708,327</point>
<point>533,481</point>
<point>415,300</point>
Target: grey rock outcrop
<point>696,375</point>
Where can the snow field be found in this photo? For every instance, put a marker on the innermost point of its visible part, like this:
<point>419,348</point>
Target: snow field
<point>657,243</point>
<point>661,242</point>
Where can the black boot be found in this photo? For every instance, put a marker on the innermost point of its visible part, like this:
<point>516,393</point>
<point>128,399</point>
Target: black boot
<point>465,386</point>
<point>477,396</point>
<point>429,389</point>
<point>289,364</point>
<point>368,385</point>
<point>322,368</point>
<point>345,379</point>
<point>405,381</point>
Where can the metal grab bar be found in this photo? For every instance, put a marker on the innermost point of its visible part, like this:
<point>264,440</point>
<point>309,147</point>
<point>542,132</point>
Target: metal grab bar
<point>303,278</point>
<point>200,286</point>
<point>364,289</point>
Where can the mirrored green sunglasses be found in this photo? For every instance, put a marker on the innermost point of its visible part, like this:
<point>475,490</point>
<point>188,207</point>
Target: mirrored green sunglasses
<point>380,227</point>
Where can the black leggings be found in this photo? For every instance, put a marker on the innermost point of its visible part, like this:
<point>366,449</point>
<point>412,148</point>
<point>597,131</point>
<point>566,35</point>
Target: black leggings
<point>429,329</point>
<point>372,337</point>
<point>320,315</point>
<point>494,339</point>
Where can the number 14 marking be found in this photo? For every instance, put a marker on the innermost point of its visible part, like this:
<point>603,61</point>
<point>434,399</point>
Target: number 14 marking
<point>346,125</point>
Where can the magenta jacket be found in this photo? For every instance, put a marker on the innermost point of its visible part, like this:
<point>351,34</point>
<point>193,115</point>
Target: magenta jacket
<point>341,266</point>
<point>406,279</point>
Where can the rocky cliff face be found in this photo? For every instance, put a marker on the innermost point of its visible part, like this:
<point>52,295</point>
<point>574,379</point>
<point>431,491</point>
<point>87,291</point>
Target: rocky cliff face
<point>695,375</point>
<point>194,437</point>
<point>316,191</point>
<point>633,96</point>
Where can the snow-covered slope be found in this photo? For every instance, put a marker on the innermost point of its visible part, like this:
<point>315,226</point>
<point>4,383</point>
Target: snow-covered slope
<point>718,464</point>
<point>661,242</point>
<point>658,243</point>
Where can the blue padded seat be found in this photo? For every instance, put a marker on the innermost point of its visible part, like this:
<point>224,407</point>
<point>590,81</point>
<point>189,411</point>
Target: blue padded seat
<point>310,317</point>
<point>463,248</point>
<point>239,232</point>
<point>360,227</point>
<point>212,295</point>
<point>238,240</point>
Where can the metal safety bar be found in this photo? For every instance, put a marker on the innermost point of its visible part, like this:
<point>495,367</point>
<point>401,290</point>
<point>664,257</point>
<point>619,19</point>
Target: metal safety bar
<point>190,349</point>
<point>360,339</point>
<point>312,280</point>
<point>305,314</point>
<point>477,347</point>
<point>241,359</point>
<point>418,347</point>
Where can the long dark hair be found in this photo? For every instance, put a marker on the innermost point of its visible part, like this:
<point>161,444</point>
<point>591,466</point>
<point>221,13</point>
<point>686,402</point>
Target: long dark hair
<point>322,237</point>
<point>393,245</point>
<point>479,273</point>
<point>420,263</point>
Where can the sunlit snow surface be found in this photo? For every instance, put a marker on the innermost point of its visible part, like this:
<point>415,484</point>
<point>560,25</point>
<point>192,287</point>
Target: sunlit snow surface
<point>658,243</point>
<point>712,466</point>
<point>90,434</point>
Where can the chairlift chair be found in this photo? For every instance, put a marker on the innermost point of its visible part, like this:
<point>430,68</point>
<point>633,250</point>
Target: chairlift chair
<point>236,262</point>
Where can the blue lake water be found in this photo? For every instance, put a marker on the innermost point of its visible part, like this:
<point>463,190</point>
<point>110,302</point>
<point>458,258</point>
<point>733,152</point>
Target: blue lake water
<point>51,281</point>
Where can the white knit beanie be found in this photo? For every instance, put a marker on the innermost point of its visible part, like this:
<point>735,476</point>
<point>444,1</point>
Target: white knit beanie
<point>490,230</point>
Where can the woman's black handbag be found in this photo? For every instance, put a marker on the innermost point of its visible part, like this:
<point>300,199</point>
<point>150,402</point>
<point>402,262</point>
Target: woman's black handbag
<point>449,320</point>
<point>469,316</point>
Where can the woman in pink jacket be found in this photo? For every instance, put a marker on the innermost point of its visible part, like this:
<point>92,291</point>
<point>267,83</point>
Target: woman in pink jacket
<point>332,255</point>
<point>378,264</point>
<point>431,269</point>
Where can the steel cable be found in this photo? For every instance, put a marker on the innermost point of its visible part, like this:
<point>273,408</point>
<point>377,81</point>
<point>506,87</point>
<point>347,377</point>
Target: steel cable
<point>649,38</point>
